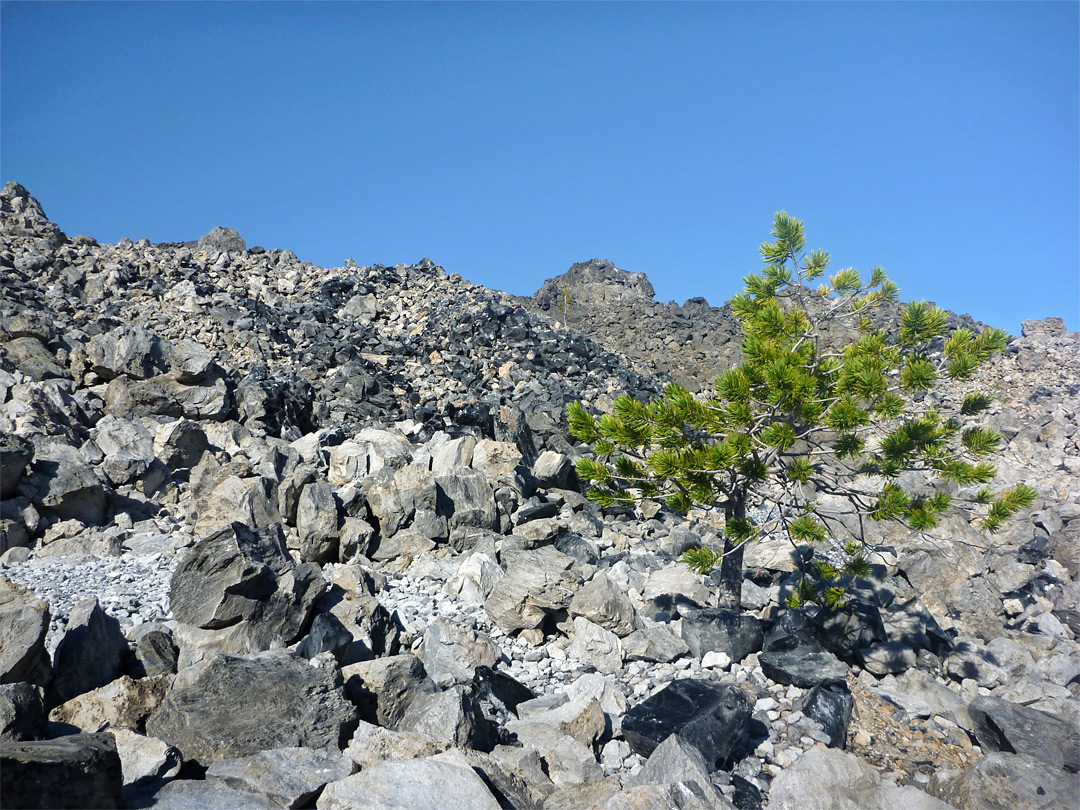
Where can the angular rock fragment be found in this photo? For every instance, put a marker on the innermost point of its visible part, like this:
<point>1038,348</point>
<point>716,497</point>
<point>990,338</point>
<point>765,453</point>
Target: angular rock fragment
<point>22,711</point>
<point>92,652</point>
<point>1004,726</point>
<point>721,630</point>
<point>24,623</point>
<point>707,715</point>
<point>1000,780</point>
<point>409,783</point>
<point>235,706</point>
<point>286,777</point>
<point>80,771</point>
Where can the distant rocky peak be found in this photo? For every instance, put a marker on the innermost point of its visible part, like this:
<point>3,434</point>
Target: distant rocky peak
<point>22,215</point>
<point>595,282</point>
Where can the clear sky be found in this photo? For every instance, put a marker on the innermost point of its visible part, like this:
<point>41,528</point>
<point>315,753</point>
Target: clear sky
<point>507,141</point>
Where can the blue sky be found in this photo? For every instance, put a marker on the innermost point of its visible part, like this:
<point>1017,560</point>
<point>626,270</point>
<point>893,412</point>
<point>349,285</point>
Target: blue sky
<point>507,141</point>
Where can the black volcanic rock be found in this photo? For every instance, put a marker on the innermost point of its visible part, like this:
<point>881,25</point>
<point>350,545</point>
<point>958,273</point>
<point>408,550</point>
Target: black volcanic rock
<point>707,715</point>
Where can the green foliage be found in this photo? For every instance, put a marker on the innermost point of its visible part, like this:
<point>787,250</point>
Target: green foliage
<point>848,421</point>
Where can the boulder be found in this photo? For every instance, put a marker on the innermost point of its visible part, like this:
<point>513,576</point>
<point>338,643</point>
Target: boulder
<point>674,760</point>
<point>317,523</point>
<point>236,500</point>
<point>1004,726</point>
<point>221,578</point>
<point>235,706</point>
<point>451,652</point>
<point>202,794</point>
<point>371,744</point>
<point>15,454</point>
<point>64,485</point>
<point>33,359</point>
<point>1001,781</point>
<point>286,777</point>
<point>127,350</point>
<point>721,630</point>
<point>537,582</point>
<point>499,694</point>
<point>412,783</point>
<point>452,715</point>
<point>828,779</point>
<point>91,653</point>
<point>128,448</point>
<point>80,771</point>
<point>541,724</point>
<point>24,623</point>
<point>147,764</point>
<point>465,498</point>
<point>22,711</point>
<point>656,643</point>
<point>222,239</point>
<point>709,716</point>
<point>595,647</point>
<point>831,707</point>
<point>599,601</point>
<point>122,703</point>
<point>384,688</point>
<point>554,471</point>
<point>686,795</point>
<point>180,444</point>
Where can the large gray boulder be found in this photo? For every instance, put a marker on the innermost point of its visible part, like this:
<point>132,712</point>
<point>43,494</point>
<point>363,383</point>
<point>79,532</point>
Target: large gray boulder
<point>384,688</point>
<point>602,603</point>
<point>416,784</point>
<point>127,350</point>
<point>62,484</point>
<point>466,498</point>
<point>92,652</point>
<point>286,777</point>
<point>829,779</point>
<point>22,711</point>
<point>15,454</point>
<point>1004,726</point>
<point>1001,781</point>
<point>317,523</point>
<point>24,623</point>
<point>80,771</point>
<point>220,580</point>
<point>180,444</point>
<point>220,238</point>
<point>452,652</point>
<point>236,706</point>
<point>128,448</point>
<point>537,582</point>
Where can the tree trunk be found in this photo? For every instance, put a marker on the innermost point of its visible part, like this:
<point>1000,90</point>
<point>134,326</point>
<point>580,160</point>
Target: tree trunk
<point>731,567</point>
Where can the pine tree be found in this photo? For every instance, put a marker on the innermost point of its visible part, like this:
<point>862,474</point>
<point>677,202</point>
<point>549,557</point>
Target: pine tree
<point>802,425</point>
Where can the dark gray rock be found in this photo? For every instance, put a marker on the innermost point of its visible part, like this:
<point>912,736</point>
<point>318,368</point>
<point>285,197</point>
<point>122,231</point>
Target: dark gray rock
<point>854,626</point>
<point>64,485</point>
<point>24,623</point>
<point>15,454</point>
<point>201,794</point>
<point>1002,781</point>
<point>1004,726</point>
<point>721,630</point>
<point>81,771</point>
<point>33,359</point>
<point>180,444</point>
<point>92,652</point>
<point>452,714</point>
<point>222,239</point>
<point>317,523</point>
<point>22,711</point>
<point>466,498</point>
<point>235,706</point>
<point>383,689</point>
<point>805,667</point>
<point>602,603</point>
<point>537,582</point>
<point>498,693</point>
<point>831,707</point>
<point>222,578</point>
<point>155,651</point>
<point>286,777</point>
<point>128,350</point>
<point>709,716</point>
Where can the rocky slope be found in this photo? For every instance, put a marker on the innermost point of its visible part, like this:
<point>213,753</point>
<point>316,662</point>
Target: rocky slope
<point>692,343</point>
<point>276,535</point>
